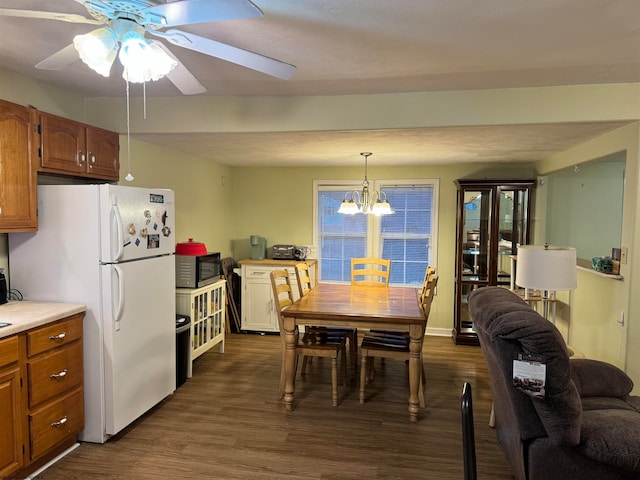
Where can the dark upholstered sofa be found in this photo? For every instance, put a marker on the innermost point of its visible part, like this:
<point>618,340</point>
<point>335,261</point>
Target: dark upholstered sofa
<point>585,426</point>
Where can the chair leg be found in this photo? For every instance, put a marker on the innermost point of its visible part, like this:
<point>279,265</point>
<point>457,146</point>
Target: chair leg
<point>305,359</point>
<point>334,381</point>
<point>422,386</point>
<point>281,387</point>
<point>343,360</point>
<point>353,351</point>
<point>371,368</point>
<point>363,377</point>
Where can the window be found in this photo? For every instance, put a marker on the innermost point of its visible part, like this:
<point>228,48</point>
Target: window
<point>407,238</point>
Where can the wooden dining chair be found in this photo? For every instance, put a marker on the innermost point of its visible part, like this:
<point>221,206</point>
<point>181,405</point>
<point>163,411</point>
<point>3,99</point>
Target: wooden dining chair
<point>429,275</point>
<point>305,285</point>
<point>325,345</point>
<point>394,345</point>
<point>370,271</point>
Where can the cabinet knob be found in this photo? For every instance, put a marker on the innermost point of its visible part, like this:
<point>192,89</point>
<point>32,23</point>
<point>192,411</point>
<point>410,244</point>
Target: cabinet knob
<point>61,374</point>
<point>60,422</point>
<point>81,157</point>
<point>60,336</point>
<point>92,159</point>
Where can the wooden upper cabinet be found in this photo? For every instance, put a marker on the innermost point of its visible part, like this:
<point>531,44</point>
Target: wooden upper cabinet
<point>72,148</point>
<point>103,148</point>
<point>18,204</point>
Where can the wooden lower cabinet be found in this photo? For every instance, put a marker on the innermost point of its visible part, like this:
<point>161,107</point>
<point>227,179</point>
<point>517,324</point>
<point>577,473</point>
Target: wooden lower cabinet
<point>41,395</point>
<point>11,418</point>
<point>258,310</point>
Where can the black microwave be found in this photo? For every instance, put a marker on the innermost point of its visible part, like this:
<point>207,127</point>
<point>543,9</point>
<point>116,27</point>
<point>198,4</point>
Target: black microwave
<point>195,271</point>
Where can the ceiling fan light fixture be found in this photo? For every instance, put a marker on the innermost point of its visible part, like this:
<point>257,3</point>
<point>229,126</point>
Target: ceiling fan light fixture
<point>143,61</point>
<point>97,49</point>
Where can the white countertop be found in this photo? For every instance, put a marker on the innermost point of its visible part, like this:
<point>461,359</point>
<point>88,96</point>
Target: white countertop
<point>26,315</point>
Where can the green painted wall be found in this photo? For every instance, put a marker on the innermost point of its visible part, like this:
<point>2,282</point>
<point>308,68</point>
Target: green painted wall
<point>222,206</point>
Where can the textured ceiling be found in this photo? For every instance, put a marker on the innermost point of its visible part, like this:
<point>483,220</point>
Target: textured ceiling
<point>375,46</point>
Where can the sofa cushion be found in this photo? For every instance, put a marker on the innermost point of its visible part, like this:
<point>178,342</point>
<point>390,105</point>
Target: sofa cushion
<point>595,379</point>
<point>612,436</point>
<point>607,403</point>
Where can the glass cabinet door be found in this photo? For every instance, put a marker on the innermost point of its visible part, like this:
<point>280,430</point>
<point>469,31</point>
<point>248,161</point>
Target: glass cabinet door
<point>476,233</point>
<point>493,219</point>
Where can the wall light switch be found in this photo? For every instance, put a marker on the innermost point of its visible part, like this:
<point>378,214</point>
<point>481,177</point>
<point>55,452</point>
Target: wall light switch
<point>623,255</point>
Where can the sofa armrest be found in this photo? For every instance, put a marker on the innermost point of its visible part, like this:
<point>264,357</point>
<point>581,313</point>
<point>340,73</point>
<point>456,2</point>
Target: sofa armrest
<point>594,378</point>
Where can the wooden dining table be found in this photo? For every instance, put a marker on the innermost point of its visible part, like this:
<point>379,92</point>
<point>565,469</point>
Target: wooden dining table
<point>357,306</point>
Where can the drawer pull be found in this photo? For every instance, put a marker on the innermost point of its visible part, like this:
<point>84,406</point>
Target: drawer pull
<point>60,336</point>
<point>62,374</point>
<point>60,422</point>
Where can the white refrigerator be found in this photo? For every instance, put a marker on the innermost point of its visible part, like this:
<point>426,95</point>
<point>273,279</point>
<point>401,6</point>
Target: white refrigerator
<point>111,248</point>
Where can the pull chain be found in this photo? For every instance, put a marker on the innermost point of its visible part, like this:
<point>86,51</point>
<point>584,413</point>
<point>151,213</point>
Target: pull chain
<point>129,177</point>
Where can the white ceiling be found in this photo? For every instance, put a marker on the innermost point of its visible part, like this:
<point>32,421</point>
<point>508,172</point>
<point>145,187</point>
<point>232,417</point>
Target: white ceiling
<point>375,46</point>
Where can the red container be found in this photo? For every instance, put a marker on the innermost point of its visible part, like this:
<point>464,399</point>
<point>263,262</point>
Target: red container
<point>191,248</point>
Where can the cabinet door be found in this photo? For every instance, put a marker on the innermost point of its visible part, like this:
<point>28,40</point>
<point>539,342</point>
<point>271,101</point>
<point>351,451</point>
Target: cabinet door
<point>10,422</point>
<point>103,148</point>
<point>62,145</point>
<point>257,311</point>
<point>18,174</point>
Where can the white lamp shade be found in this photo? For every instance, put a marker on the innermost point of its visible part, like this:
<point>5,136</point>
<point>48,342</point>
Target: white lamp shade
<point>546,267</point>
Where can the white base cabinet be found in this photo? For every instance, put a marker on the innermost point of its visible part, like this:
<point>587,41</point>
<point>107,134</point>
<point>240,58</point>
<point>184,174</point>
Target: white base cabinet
<point>258,308</point>
<point>206,308</point>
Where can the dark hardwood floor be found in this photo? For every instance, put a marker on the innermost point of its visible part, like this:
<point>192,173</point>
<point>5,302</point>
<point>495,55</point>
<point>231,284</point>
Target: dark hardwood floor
<point>226,423</point>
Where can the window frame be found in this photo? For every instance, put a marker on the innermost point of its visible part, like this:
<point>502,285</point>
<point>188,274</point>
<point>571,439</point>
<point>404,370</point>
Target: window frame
<point>373,237</point>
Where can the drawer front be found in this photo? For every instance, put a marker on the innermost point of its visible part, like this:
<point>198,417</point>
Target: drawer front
<point>54,335</point>
<point>8,350</point>
<point>52,424</point>
<point>52,374</point>
<point>258,272</point>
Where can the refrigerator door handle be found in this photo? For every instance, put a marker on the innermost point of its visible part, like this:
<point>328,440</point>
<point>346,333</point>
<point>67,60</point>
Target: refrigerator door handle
<point>118,242</point>
<point>118,301</point>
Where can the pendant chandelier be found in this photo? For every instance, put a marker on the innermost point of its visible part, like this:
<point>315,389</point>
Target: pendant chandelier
<point>373,202</point>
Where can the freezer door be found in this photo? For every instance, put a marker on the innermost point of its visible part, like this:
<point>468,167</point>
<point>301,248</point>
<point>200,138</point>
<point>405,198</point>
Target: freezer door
<point>135,223</point>
<point>139,338</point>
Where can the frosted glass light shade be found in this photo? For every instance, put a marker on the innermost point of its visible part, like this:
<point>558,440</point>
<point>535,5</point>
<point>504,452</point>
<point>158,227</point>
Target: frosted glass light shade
<point>98,49</point>
<point>142,61</point>
<point>548,268</point>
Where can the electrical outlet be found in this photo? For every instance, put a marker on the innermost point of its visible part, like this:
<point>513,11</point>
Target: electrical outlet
<point>623,255</point>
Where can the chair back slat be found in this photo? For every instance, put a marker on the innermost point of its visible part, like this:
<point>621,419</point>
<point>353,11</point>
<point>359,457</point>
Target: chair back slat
<point>303,276</point>
<point>282,294</point>
<point>370,271</point>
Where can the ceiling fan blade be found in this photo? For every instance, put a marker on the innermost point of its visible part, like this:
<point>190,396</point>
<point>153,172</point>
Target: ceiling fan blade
<point>61,59</point>
<point>245,58</point>
<point>180,76</point>
<point>63,17</point>
<point>185,12</point>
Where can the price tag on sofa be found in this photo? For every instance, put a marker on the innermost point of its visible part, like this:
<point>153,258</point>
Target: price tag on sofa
<point>529,376</point>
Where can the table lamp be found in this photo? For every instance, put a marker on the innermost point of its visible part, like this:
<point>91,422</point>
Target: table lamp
<point>546,268</point>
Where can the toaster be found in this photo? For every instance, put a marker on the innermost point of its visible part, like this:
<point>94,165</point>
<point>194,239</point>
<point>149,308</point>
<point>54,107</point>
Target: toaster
<point>284,252</point>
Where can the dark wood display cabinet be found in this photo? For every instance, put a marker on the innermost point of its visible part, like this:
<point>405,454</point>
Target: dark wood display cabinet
<point>493,219</point>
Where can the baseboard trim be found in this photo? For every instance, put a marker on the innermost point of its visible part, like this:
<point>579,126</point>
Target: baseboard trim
<point>439,332</point>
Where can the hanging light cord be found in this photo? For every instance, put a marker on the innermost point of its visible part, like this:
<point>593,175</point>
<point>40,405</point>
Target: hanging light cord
<point>129,177</point>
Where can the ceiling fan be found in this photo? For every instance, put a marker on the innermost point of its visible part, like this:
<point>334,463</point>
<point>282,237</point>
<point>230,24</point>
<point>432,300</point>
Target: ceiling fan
<point>121,19</point>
